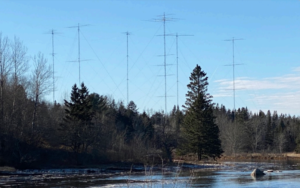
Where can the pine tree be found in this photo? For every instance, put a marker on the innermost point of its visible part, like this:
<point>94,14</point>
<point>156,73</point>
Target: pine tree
<point>200,133</point>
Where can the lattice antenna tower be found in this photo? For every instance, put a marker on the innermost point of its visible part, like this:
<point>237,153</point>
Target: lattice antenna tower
<point>233,69</point>
<point>177,81</point>
<point>53,32</point>
<point>79,60</point>
<point>127,56</point>
<point>163,18</point>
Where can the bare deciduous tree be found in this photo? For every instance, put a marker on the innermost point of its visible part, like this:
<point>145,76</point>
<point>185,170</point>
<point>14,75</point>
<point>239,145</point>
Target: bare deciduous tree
<point>20,66</point>
<point>5,68</point>
<point>40,82</point>
<point>281,142</point>
<point>256,131</point>
<point>19,58</point>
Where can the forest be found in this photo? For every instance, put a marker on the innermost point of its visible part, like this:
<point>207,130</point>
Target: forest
<point>90,128</point>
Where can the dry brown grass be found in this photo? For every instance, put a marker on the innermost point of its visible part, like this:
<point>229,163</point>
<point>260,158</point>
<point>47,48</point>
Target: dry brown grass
<point>261,156</point>
<point>7,168</point>
<point>243,156</point>
<point>293,154</point>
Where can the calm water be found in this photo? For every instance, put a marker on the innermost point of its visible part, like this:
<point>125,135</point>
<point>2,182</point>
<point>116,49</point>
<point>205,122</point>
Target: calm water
<point>229,174</point>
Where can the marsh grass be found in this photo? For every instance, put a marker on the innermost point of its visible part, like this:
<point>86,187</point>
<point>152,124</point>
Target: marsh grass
<point>151,180</point>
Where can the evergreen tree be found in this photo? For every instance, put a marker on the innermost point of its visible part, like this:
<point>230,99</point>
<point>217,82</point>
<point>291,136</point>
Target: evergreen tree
<point>200,133</point>
<point>125,123</point>
<point>148,129</point>
<point>269,132</point>
<point>176,118</point>
<point>77,124</point>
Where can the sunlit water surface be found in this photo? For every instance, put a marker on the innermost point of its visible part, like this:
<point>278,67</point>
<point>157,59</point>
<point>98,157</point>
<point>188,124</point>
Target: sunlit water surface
<point>229,174</point>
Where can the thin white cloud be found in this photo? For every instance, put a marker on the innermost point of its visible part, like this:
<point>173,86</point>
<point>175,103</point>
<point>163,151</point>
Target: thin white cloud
<point>274,93</point>
<point>222,95</point>
<point>296,69</point>
<point>288,102</point>
<point>290,81</point>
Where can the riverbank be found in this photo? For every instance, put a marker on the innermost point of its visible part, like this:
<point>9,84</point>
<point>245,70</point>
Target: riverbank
<point>192,158</point>
<point>183,161</point>
<point>111,169</point>
<point>260,156</point>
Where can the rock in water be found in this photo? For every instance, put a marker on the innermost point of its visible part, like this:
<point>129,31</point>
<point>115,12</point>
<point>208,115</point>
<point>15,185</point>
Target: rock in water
<point>257,173</point>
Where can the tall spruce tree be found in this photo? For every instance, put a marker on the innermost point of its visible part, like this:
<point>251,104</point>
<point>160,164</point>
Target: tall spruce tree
<point>200,133</point>
<point>77,124</point>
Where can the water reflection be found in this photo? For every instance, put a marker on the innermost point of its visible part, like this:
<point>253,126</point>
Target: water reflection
<point>236,176</point>
<point>205,178</point>
<point>230,174</point>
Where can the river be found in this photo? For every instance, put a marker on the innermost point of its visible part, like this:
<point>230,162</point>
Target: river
<point>225,174</point>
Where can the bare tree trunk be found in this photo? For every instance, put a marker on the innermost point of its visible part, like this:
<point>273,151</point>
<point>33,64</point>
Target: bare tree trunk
<point>35,112</point>
<point>199,153</point>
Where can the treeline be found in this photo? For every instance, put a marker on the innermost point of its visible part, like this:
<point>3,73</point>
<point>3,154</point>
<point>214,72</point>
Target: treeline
<point>244,131</point>
<point>91,128</point>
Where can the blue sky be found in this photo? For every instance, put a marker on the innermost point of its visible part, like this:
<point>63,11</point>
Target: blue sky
<point>268,79</point>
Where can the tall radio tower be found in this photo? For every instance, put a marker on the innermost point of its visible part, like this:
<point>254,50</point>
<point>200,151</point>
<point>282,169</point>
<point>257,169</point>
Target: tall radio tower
<point>53,32</point>
<point>127,34</point>
<point>233,73</point>
<point>163,18</point>
<point>78,29</point>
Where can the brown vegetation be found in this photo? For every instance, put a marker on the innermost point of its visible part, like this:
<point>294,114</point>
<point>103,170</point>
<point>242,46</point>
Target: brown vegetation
<point>260,156</point>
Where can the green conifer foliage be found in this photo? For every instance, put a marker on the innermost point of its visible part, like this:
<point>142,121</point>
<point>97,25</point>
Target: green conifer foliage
<point>200,133</point>
<point>77,124</point>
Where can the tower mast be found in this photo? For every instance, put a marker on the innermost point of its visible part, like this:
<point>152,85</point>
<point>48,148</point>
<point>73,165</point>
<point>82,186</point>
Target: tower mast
<point>233,70</point>
<point>52,33</point>
<point>127,56</point>
<point>163,18</point>
<point>79,60</point>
